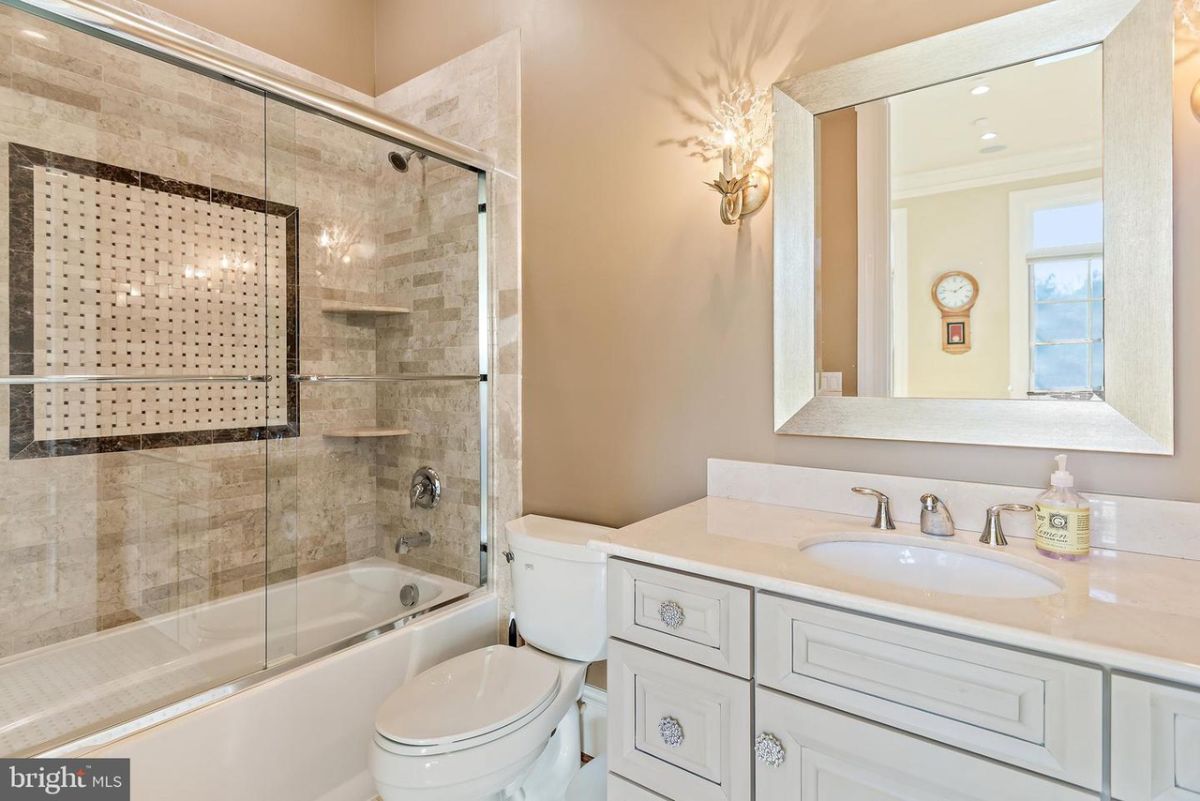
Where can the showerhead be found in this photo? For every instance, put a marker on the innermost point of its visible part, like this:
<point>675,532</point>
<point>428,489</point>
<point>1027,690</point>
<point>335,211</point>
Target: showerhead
<point>401,161</point>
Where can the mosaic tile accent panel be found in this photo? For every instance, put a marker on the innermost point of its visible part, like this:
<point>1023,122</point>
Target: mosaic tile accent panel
<point>115,271</point>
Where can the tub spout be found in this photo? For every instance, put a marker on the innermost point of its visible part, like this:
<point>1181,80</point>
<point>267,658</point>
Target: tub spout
<point>405,543</point>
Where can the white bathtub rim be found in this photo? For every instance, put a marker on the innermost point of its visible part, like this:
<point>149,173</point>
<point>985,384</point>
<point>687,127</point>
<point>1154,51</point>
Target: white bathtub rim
<point>70,747</point>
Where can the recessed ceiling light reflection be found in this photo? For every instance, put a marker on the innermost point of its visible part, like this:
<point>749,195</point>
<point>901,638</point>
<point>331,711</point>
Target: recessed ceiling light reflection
<point>981,89</point>
<point>988,136</point>
<point>32,34</point>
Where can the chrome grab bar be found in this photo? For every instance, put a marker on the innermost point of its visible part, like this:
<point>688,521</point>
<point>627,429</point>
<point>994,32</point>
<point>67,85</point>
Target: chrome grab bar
<point>348,379</point>
<point>133,379</point>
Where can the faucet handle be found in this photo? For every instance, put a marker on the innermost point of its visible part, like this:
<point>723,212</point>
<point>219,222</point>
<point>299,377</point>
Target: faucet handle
<point>883,510</point>
<point>993,532</point>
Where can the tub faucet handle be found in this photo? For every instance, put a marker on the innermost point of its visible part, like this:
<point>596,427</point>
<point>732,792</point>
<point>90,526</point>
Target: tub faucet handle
<point>883,510</point>
<point>993,532</point>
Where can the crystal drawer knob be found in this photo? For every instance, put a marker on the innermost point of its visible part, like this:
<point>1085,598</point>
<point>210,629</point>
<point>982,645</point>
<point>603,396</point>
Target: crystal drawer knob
<point>670,731</point>
<point>769,750</point>
<point>671,614</point>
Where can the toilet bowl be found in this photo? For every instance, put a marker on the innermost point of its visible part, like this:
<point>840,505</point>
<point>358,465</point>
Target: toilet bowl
<point>503,722</point>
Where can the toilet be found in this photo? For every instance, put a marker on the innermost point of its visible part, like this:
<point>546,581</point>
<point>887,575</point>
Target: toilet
<point>502,722</point>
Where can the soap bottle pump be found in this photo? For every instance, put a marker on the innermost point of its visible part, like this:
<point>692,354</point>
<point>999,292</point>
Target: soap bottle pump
<point>1062,528</point>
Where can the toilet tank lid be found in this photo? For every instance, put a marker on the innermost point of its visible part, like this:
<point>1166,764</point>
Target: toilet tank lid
<point>554,537</point>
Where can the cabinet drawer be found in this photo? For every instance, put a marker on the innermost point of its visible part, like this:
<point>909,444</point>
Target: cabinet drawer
<point>703,621</point>
<point>676,728</point>
<point>1028,710</point>
<point>1155,741</point>
<point>621,790</point>
<point>827,756</point>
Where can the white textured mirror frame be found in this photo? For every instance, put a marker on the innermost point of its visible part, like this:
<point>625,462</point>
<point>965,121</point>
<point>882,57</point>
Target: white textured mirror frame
<point>1137,414</point>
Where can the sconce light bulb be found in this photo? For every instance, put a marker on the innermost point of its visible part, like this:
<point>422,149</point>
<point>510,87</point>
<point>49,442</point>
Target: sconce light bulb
<point>729,137</point>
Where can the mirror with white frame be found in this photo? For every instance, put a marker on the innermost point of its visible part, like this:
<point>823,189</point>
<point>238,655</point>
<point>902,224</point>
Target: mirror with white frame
<point>973,235</point>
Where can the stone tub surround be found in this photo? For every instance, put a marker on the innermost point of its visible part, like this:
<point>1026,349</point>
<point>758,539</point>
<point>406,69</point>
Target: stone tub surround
<point>97,540</point>
<point>475,99</point>
<point>1119,522</point>
<point>1129,611</point>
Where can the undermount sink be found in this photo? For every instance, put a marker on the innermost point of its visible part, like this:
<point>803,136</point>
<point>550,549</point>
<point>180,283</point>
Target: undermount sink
<point>928,567</point>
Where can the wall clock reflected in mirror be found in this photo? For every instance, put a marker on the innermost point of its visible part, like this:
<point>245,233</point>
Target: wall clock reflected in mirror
<point>954,293</point>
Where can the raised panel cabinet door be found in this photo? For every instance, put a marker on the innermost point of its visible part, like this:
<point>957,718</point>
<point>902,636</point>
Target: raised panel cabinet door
<point>623,790</point>
<point>697,619</point>
<point>1028,710</point>
<point>805,752</point>
<point>1155,741</point>
<point>678,729</point>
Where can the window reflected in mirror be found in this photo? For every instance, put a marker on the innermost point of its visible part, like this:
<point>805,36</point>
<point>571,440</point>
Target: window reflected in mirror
<point>960,238</point>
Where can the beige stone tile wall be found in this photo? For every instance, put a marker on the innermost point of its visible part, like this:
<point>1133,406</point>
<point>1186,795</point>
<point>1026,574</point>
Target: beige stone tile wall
<point>322,494</point>
<point>431,258</point>
<point>92,541</point>
<point>475,99</point>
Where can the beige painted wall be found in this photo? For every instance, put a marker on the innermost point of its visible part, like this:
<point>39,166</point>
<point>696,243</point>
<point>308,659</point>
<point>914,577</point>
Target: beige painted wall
<point>837,230</point>
<point>648,323</point>
<point>334,38</point>
<point>964,230</point>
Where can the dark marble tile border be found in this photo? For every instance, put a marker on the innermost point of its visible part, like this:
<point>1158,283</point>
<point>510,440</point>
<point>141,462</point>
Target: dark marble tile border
<point>22,159</point>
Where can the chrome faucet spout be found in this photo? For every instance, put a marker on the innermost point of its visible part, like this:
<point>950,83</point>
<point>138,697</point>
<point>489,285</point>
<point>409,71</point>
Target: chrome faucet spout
<point>421,539</point>
<point>935,517</point>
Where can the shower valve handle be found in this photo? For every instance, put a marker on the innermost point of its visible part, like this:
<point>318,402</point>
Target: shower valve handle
<point>426,488</point>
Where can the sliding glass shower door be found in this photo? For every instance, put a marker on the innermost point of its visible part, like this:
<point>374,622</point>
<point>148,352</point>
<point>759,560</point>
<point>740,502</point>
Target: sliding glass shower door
<point>388,381</point>
<point>244,416</point>
<point>141,268</point>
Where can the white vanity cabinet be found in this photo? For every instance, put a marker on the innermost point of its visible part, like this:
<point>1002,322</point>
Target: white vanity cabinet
<point>679,695</point>
<point>1155,741</point>
<point>718,692</point>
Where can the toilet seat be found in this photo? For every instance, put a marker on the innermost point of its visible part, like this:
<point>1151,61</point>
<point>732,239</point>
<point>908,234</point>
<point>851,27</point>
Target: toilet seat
<point>469,700</point>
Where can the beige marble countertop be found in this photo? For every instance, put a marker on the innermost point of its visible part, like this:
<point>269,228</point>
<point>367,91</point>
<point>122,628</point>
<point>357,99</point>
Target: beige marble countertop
<point>1128,611</point>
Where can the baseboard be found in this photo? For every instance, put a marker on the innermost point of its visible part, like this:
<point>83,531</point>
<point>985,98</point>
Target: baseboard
<point>594,719</point>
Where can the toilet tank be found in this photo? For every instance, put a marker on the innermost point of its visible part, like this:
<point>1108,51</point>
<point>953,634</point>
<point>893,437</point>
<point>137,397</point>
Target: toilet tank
<point>559,586</point>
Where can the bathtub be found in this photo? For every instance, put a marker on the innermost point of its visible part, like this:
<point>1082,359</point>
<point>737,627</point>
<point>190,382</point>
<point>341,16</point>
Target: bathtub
<point>304,735</point>
<point>63,690</point>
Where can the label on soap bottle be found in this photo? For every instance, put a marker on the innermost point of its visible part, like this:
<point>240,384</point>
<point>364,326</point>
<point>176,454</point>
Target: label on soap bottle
<point>1063,529</point>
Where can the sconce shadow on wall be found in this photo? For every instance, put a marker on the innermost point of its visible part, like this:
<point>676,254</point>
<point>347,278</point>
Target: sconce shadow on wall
<point>725,104</point>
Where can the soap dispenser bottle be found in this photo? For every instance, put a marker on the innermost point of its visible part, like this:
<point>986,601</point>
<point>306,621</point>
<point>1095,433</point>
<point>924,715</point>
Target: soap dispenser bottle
<point>1063,517</point>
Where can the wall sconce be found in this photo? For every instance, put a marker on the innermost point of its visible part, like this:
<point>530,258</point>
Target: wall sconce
<point>740,131</point>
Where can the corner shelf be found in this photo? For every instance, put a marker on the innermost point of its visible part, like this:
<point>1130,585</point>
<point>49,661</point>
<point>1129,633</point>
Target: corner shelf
<point>350,307</point>
<point>366,432</point>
